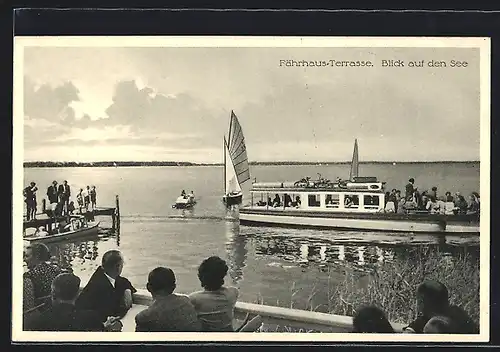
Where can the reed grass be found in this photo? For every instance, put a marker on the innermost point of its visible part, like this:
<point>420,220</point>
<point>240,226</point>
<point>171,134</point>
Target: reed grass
<point>392,286</point>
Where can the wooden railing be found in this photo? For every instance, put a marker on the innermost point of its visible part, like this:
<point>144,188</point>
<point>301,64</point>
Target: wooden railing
<point>284,317</point>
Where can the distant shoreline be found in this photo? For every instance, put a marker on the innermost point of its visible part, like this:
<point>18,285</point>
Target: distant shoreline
<point>53,164</point>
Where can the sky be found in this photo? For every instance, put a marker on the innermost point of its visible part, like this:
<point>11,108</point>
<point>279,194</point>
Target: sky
<point>173,104</point>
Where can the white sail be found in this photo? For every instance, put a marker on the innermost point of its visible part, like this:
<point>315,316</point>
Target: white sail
<point>355,162</point>
<point>238,151</point>
<point>232,185</point>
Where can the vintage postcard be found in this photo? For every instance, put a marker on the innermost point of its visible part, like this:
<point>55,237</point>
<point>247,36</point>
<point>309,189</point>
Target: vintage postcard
<point>296,189</point>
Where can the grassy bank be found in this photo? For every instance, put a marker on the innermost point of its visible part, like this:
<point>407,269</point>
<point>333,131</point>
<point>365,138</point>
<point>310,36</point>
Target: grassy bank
<point>392,285</point>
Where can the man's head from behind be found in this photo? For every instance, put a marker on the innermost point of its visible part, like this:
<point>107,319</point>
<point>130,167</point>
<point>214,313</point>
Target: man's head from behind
<point>112,263</point>
<point>432,297</point>
<point>65,288</point>
<point>161,280</point>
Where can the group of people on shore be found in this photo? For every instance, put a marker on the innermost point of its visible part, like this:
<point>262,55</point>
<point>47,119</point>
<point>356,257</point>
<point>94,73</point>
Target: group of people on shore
<point>53,302</point>
<point>59,199</point>
<point>430,201</point>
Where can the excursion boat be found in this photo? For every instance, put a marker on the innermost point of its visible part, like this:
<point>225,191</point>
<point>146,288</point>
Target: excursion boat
<point>354,204</point>
<point>65,228</point>
<point>236,169</point>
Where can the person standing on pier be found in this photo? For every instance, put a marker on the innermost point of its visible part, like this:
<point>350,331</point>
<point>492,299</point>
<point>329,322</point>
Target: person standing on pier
<point>79,200</point>
<point>52,193</point>
<point>64,192</point>
<point>30,200</point>
<point>86,198</point>
<point>107,292</point>
<point>410,189</point>
<point>93,197</point>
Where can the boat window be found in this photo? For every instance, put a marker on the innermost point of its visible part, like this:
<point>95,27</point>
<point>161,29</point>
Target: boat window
<point>371,201</point>
<point>313,200</point>
<point>351,201</point>
<point>332,201</point>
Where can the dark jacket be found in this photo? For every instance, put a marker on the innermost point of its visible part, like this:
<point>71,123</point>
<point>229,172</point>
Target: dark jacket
<point>66,193</point>
<point>462,323</point>
<point>100,295</point>
<point>65,317</point>
<point>52,194</point>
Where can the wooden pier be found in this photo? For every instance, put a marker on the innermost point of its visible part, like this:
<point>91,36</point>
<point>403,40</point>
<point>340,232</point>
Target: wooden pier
<point>42,219</point>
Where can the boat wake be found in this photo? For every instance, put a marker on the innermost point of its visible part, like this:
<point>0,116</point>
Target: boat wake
<point>186,216</point>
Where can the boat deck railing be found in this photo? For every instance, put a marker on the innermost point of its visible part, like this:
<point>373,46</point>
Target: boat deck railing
<point>283,317</point>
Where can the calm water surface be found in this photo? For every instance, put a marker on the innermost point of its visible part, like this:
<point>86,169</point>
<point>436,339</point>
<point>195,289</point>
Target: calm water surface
<point>265,263</point>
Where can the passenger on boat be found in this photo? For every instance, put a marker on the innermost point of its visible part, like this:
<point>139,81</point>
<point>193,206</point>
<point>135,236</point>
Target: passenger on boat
<point>168,312</point>
<point>107,292</point>
<point>191,196</point>
<point>297,203</point>
<point>473,207</point>
<point>441,205</point>
<point>476,196</point>
<point>449,197</point>
<point>401,206</point>
<point>371,319</point>
<point>40,271</point>
<point>79,200</point>
<point>214,305</point>
<point>269,201</point>
<point>460,204</point>
<point>433,192</point>
<point>64,316</point>
<point>347,202</point>
<point>431,204</point>
<point>71,207</point>
<point>409,188</point>
<point>287,200</point>
<point>183,193</point>
<point>277,201</point>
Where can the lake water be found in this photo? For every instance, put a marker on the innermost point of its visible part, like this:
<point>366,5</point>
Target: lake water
<point>267,264</point>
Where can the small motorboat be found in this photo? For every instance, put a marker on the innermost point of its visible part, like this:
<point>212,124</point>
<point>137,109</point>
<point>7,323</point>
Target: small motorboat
<point>63,229</point>
<point>184,201</point>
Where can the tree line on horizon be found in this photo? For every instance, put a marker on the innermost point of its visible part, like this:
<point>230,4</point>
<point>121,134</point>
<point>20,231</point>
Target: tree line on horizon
<point>34,164</point>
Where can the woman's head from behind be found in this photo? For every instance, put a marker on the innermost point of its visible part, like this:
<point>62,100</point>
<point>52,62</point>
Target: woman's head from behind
<point>371,319</point>
<point>212,272</point>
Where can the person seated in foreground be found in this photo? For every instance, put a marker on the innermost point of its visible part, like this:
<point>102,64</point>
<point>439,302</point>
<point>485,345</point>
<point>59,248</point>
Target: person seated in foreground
<point>439,325</point>
<point>460,204</point>
<point>371,319</point>
<point>107,292</point>
<point>432,300</point>
<point>168,312</point>
<point>215,304</point>
<point>40,271</point>
<point>64,316</point>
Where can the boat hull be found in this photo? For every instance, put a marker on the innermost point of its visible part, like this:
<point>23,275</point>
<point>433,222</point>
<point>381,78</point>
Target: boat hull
<point>83,232</point>
<point>423,223</point>
<point>230,199</point>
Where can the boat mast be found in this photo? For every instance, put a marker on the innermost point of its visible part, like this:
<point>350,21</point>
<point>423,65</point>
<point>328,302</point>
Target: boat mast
<point>224,166</point>
<point>354,162</point>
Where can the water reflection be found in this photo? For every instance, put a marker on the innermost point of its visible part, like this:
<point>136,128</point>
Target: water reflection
<point>321,252</point>
<point>236,250</point>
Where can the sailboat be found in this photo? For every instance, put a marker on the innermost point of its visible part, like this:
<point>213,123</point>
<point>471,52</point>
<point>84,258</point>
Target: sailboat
<point>236,169</point>
<point>354,163</point>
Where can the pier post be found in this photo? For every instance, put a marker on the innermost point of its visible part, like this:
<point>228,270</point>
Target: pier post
<point>44,205</point>
<point>117,212</point>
